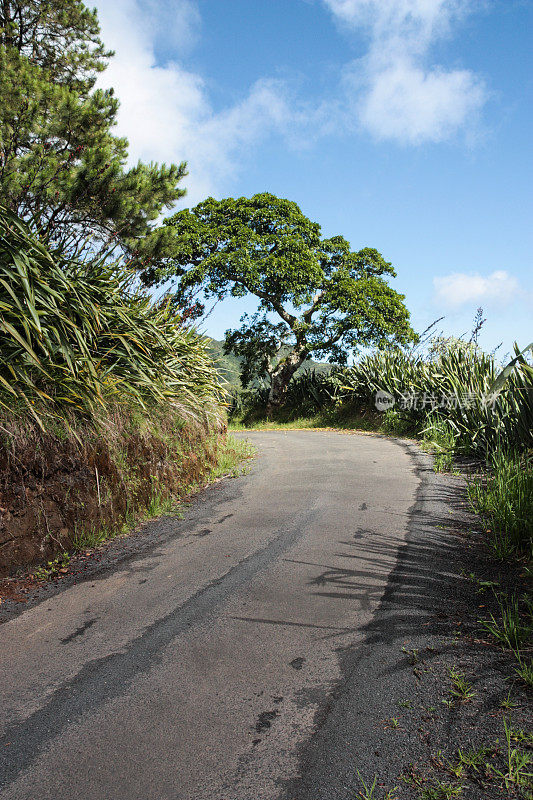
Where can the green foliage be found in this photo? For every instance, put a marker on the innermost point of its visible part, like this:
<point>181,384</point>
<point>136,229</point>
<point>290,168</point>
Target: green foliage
<point>309,391</point>
<point>260,346</point>
<point>513,631</point>
<point>231,457</point>
<point>227,364</point>
<point>473,759</point>
<point>395,424</point>
<point>461,689</point>
<point>74,334</point>
<point>94,536</point>
<point>52,568</point>
<point>229,367</point>
<point>524,671</point>
<point>368,792</point>
<point>440,438</point>
<point>62,36</point>
<point>519,764</point>
<point>462,376</point>
<point>504,499</point>
<point>441,791</point>
<point>265,246</point>
<point>61,168</point>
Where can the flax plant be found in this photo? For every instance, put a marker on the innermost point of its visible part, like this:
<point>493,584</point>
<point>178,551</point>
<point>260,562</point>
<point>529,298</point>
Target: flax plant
<point>77,334</point>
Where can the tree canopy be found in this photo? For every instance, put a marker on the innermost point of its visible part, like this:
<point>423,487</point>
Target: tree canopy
<point>331,301</point>
<point>61,167</point>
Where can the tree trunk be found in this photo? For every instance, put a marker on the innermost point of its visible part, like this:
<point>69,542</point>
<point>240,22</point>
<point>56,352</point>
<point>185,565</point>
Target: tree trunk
<point>280,380</point>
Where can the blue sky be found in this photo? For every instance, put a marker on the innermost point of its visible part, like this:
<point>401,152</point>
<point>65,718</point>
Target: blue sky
<point>403,125</point>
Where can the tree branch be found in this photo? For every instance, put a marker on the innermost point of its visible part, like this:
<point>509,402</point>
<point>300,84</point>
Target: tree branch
<point>290,319</point>
<point>317,299</point>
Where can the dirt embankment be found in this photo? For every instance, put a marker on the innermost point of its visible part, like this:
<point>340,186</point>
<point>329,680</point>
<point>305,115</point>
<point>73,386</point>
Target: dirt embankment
<point>56,486</point>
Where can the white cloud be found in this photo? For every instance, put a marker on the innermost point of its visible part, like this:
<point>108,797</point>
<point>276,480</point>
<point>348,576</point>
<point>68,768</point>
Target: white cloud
<point>460,288</point>
<point>412,105</point>
<point>165,111</point>
<point>167,115</point>
<point>396,95</point>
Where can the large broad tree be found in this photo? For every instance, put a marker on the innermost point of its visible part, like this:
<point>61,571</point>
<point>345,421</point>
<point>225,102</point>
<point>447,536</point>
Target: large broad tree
<point>61,167</point>
<point>328,301</point>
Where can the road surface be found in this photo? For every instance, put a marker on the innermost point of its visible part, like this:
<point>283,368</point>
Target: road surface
<point>202,663</point>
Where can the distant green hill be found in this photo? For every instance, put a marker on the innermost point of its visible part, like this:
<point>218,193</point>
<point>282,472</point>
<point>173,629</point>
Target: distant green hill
<point>229,365</point>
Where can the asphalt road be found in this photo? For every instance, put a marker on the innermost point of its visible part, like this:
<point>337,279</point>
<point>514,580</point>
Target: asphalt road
<point>203,662</point>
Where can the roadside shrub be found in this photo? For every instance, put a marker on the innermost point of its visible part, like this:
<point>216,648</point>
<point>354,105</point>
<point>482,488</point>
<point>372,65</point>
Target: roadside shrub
<point>75,335</point>
<point>109,404</point>
<point>504,499</point>
<point>455,384</point>
<point>395,423</point>
<point>440,437</point>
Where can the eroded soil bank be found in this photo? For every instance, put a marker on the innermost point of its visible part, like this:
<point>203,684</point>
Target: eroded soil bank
<point>56,487</point>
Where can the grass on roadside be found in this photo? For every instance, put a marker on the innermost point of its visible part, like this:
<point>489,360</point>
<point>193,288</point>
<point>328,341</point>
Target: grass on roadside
<point>518,773</point>
<point>503,766</point>
<point>391,422</point>
<point>439,439</point>
<point>524,671</point>
<point>504,500</point>
<point>300,423</point>
<point>514,629</point>
<point>231,457</point>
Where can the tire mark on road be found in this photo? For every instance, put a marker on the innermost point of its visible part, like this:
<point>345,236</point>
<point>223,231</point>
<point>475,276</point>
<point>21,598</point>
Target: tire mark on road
<point>107,678</point>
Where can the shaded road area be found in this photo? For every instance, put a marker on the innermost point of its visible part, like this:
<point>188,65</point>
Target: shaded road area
<point>206,663</point>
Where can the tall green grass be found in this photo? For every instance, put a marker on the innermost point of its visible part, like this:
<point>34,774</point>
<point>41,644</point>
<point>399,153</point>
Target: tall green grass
<point>504,499</point>
<point>77,335</point>
<point>110,406</point>
<point>455,385</point>
<point>439,437</point>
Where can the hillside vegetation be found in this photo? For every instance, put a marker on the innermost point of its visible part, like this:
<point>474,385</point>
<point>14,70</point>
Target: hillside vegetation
<point>109,405</point>
<point>229,367</point>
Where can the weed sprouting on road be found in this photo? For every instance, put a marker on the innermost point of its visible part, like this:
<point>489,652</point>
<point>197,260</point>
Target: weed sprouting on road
<point>461,689</point>
<point>441,791</point>
<point>524,671</point>
<point>372,791</point>
<point>507,703</point>
<point>412,654</point>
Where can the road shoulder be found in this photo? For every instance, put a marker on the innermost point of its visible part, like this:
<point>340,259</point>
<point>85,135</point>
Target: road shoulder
<point>393,717</point>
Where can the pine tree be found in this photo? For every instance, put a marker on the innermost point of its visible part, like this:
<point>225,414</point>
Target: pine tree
<point>61,167</point>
